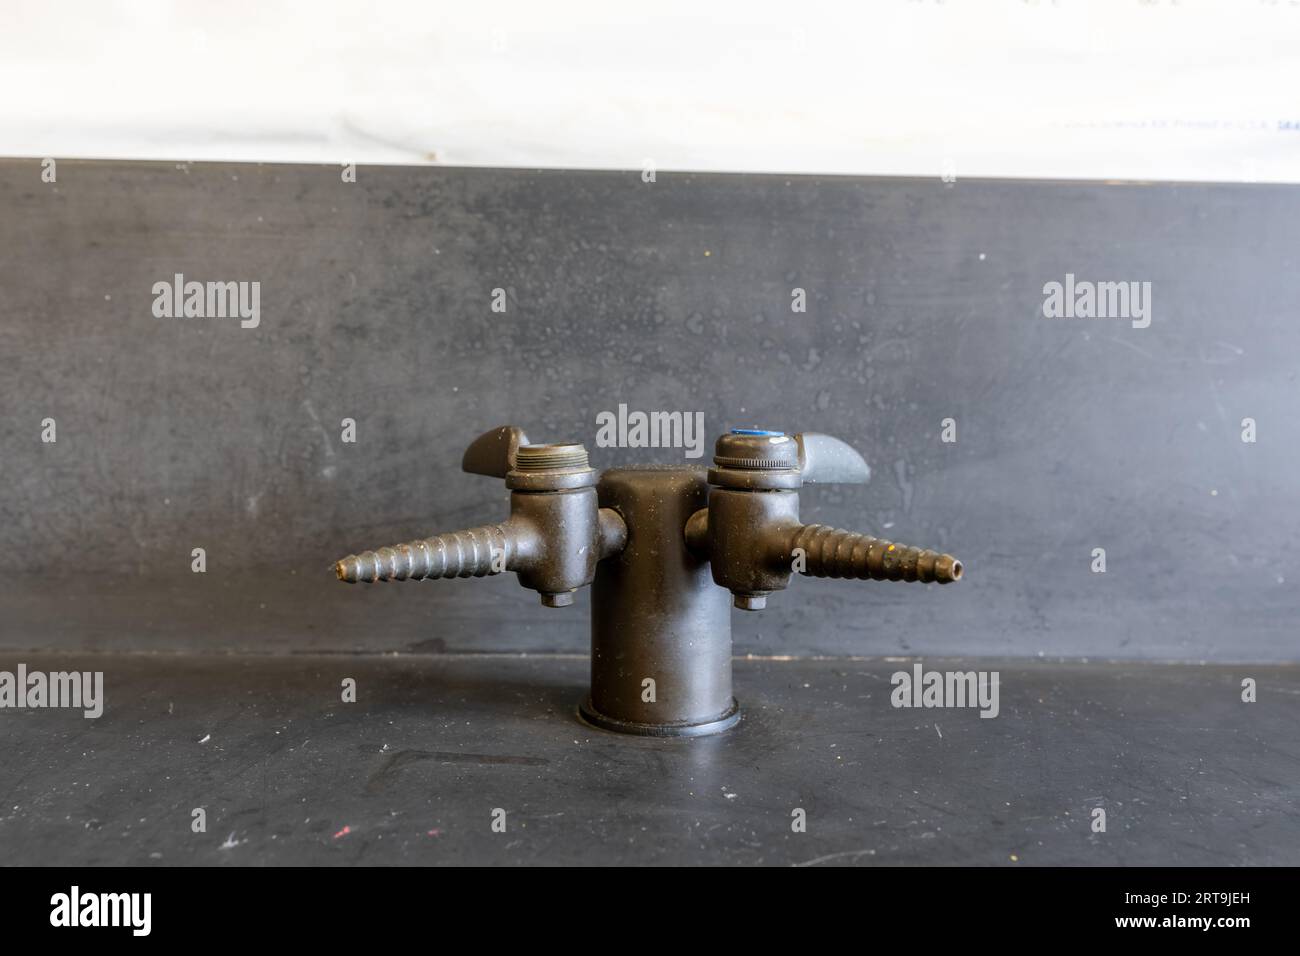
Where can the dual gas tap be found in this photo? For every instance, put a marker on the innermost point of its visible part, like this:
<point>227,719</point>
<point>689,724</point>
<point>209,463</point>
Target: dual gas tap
<point>663,547</point>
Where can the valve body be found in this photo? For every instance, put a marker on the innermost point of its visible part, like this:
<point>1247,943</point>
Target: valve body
<point>660,627</point>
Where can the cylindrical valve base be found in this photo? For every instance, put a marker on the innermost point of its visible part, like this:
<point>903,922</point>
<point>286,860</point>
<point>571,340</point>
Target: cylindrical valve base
<point>660,627</point>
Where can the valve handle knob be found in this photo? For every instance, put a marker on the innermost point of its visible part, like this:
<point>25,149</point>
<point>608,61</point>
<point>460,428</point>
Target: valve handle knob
<point>827,460</point>
<point>494,452</point>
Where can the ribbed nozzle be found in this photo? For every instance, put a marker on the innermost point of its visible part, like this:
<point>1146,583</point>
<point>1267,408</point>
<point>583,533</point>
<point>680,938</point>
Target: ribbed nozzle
<point>458,554</point>
<point>832,553</point>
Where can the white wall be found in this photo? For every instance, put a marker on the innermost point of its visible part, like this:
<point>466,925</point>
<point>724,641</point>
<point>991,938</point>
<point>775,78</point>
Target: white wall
<point>1196,89</point>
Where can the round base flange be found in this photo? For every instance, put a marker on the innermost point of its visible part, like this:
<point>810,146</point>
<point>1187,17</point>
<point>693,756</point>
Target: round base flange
<point>590,715</point>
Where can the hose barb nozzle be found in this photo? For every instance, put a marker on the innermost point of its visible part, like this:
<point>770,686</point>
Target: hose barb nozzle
<point>820,551</point>
<point>458,554</point>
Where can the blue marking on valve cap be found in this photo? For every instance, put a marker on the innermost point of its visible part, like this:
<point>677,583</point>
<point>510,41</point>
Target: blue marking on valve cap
<point>761,432</point>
